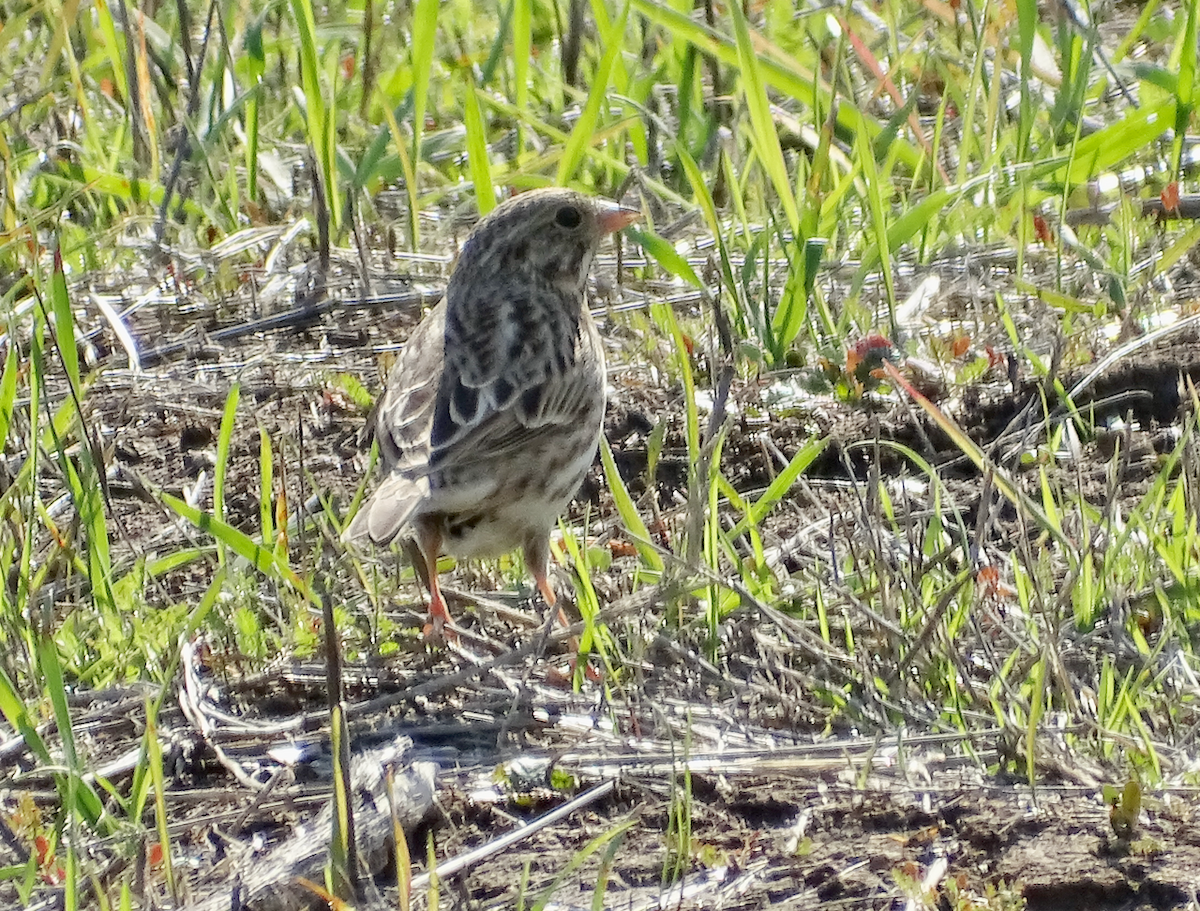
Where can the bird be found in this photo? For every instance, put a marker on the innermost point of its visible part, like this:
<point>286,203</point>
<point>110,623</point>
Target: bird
<point>493,411</point>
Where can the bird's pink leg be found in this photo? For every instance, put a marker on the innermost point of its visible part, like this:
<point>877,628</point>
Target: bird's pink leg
<point>537,558</point>
<point>547,590</point>
<point>544,586</point>
<point>430,542</point>
<point>439,614</point>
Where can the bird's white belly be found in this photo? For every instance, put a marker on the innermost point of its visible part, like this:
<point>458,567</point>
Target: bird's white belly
<point>499,532</point>
<point>501,520</point>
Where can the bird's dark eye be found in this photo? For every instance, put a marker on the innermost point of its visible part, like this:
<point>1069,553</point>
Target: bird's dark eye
<point>568,217</point>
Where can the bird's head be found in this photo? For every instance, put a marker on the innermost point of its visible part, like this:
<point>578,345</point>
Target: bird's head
<point>549,235</point>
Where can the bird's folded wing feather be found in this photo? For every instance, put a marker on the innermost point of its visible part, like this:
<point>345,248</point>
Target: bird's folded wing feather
<point>401,422</point>
<point>405,412</point>
<point>505,384</point>
<point>500,357</point>
<point>542,413</point>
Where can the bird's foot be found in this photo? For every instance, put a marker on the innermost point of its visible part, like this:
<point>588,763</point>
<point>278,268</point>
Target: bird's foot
<point>440,627</point>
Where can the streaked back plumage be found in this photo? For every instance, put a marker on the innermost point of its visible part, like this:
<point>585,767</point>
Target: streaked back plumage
<point>493,410</point>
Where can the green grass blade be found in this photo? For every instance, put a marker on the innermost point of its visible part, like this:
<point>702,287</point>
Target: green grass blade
<point>262,559</point>
<point>626,509</point>
<point>266,486</point>
<point>1114,142</point>
<point>522,53</point>
<point>114,48</point>
<point>1185,92</point>
<point>224,441</point>
<point>776,68</point>
<point>84,483</point>
<point>878,193</point>
<point>424,33</point>
<point>779,487</point>
<point>664,316</point>
<point>665,255</point>
<point>1137,33</point>
<point>763,134</point>
<point>17,714</point>
<point>320,133</point>
<point>477,148</point>
<point>579,858</point>
<point>1037,703</point>
<point>77,797</point>
<point>791,313</point>
<point>499,49</point>
<point>8,391</point>
<point>154,759</point>
<point>909,225</point>
<point>375,163</point>
<point>700,190</point>
<point>253,45</point>
<point>584,133</point>
<point>1027,20</point>
<point>401,859</point>
<point>64,324</point>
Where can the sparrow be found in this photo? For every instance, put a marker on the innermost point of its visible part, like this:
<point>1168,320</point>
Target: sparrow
<point>493,411</point>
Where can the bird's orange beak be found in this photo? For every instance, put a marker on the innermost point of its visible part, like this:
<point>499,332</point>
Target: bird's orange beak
<point>614,217</point>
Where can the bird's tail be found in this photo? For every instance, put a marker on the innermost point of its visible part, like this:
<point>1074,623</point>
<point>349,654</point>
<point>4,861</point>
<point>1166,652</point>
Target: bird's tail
<point>388,511</point>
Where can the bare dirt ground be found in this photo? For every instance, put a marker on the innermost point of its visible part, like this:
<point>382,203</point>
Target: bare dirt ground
<point>741,781</point>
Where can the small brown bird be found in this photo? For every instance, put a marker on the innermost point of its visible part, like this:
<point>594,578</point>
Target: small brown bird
<point>493,412</point>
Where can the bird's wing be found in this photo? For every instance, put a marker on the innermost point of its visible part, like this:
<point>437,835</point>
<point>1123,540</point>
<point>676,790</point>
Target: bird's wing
<point>542,381</point>
<point>501,351</point>
<point>542,412</point>
<point>405,411</point>
<point>400,423</point>
<point>467,392</point>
